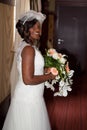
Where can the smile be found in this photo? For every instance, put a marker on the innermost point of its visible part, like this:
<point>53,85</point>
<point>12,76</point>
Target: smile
<point>36,33</point>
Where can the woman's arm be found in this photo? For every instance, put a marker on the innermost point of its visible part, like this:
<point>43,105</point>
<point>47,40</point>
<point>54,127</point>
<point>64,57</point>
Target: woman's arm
<point>28,76</point>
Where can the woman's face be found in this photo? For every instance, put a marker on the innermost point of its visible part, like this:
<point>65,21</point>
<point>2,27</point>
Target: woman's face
<point>35,31</point>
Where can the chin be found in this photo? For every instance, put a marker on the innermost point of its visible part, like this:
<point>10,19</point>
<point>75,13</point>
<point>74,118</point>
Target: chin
<point>38,38</point>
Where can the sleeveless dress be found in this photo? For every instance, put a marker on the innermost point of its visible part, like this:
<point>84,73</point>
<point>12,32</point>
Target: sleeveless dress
<point>27,110</point>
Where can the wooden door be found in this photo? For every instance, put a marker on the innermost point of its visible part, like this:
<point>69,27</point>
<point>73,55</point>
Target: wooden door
<point>71,35</point>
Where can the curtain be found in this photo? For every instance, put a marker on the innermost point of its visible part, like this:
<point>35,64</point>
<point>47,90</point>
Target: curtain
<point>35,5</point>
<point>6,43</point>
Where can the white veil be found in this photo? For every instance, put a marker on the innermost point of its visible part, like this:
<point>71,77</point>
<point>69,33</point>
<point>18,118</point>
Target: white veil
<point>30,15</point>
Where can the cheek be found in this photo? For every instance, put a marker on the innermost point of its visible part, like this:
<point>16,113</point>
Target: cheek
<point>31,33</point>
<point>33,36</point>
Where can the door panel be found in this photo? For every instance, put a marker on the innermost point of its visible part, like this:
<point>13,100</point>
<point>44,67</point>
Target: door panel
<point>71,35</point>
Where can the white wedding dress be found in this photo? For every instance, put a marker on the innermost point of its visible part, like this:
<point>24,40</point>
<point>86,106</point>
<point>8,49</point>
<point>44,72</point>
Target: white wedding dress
<point>27,110</point>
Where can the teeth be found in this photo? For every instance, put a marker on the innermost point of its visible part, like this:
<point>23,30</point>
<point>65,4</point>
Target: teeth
<point>36,33</point>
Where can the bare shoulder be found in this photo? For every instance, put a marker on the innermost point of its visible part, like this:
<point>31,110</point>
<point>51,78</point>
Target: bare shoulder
<point>28,50</point>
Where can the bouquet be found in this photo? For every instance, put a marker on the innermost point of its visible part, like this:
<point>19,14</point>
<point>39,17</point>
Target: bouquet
<point>59,66</point>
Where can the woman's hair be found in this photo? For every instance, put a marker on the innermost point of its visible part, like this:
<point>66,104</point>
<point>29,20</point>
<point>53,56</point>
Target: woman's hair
<point>23,30</point>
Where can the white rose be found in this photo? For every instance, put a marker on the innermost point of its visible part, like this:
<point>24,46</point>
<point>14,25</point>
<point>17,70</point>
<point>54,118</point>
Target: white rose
<point>62,60</point>
<point>55,56</point>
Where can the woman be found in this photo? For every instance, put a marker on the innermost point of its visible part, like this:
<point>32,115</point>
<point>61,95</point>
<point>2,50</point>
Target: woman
<point>27,110</point>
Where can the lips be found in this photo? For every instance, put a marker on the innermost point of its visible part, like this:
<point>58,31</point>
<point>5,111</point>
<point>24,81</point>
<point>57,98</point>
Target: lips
<point>35,35</point>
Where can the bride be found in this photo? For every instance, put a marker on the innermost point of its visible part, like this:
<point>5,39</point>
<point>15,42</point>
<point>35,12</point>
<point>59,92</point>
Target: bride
<point>27,110</point>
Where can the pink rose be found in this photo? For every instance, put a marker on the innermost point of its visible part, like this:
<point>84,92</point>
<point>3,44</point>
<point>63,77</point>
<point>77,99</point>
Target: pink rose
<point>51,51</point>
<point>53,70</point>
